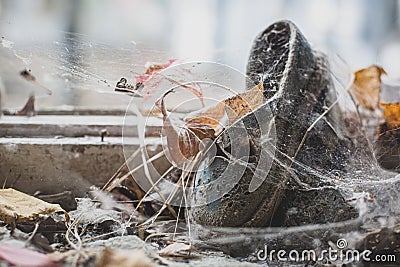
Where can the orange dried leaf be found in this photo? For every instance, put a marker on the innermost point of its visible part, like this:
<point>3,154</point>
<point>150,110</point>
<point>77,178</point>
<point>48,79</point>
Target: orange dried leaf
<point>367,86</point>
<point>234,107</point>
<point>391,114</point>
<point>211,117</point>
<point>184,142</point>
<point>244,103</point>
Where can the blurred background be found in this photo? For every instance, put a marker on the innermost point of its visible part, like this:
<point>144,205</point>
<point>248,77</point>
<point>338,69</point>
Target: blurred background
<point>80,49</point>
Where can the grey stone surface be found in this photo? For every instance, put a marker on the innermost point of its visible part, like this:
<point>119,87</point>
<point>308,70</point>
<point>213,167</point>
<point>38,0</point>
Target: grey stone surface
<point>52,154</point>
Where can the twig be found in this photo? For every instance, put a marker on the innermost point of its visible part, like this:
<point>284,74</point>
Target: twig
<point>115,175</point>
<point>33,232</point>
<point>154,184</point>
<point>312,126</point>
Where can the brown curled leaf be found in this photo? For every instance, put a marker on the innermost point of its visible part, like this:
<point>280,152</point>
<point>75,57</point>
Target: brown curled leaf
<point>29,108</point>
<point>184,142</point>
<point>367,86</point>
<point>234,108</point>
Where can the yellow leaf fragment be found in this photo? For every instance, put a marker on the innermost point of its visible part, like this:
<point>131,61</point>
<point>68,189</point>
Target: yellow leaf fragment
<point>244,103</point>
<point>16,206</point>
<point>367,86</point>
<point>391,114</point>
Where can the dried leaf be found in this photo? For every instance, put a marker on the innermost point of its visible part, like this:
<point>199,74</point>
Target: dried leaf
<point>390,103</point>
<point>29,108</point>
<point>391,114</point>
<point>153,69</point>
<point>212,117</point>
<point>367,86</point>
<point>234,108</point>
<point>143,81</point>
<point>25,257</point>
<point>244,103</point>
<point>176,250</point>
<point>184,142</point>
<point>16,206</point>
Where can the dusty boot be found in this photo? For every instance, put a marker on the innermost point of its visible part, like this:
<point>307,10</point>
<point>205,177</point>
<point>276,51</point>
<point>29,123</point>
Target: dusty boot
<point>314,142</point>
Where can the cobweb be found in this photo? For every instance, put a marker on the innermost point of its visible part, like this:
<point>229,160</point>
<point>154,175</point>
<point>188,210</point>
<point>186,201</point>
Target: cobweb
<point>317,217</point>
<point>81,72</point>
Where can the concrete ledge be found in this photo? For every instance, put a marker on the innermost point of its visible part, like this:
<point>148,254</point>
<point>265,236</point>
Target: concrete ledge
<point>74,126</point>
<point>52,154</point>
